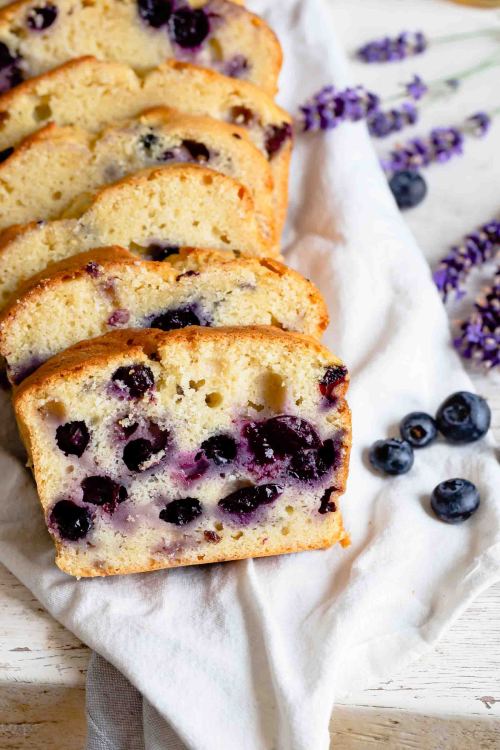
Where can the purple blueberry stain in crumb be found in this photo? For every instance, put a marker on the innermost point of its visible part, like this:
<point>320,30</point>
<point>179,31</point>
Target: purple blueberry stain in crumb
<point>133,381</point>
<point>247,499</point>
<point>155,12</point>
<point>280,437</point>
<point>236,67</point>
<point>26,369</point>
<point>42,17</point>
<point>197,151</point>
<point>146,452</point>
<point>180,317</point>
<point>333,376</point>
<point>188,27</point>
<point>212,536</point>
<point>221,449</point>
<point>72,438</point>
<point>4,155</point>
<point>93,269</point>
<point>137,454</point>
<point>192,470</point>
<point>310,465</point>
<point>275,136</point>
<point>71,521</point>
<point>118,318</point>
<point>327,505</point>
<point>159,252</point>
<point>103,491</point>
<point>125,428</point>
<point>181,512</point>
<point>242,115</point>
<point>10,69</point>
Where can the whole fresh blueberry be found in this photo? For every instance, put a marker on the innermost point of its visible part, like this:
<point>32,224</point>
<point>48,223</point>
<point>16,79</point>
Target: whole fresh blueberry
<point>182,511</point>
<point>221,449</point>
<point>418,428</point>
<point>391,456</point>
<point>133,380</point>
<point>155,12</point>
<point>72,438</point>
<point>408,188</point>
<point>464,417</point>
<point>172,320</point>
<point>247,499</point>
<point>455,500</point>
<point>71,521</point>
<point>188,27</point>
<point>41,18</point>
<point>103,491</point>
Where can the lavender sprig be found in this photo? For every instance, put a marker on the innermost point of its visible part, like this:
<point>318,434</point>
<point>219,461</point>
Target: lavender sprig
<point>383,123</point>
<point>410,43</point>
<point>416,88</point>
<point>479,337</point>
<point>329,107</point>
<point>390,49</point>
<point>441,145</point>
<point>475,249</point>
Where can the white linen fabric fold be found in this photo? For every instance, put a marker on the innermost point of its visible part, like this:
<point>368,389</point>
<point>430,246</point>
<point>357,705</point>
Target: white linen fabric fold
<point>252,654</point>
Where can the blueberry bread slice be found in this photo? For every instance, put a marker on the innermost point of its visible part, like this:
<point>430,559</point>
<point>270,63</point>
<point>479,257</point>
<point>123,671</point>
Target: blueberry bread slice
<point>91,94</point>
<point>153,450</point>
<point>178,206</point>
<point>105,289</point>
<point>38,36</point>
<point>53,166</point>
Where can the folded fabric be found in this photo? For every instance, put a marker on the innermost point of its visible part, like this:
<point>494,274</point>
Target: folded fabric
<point>252,655</point>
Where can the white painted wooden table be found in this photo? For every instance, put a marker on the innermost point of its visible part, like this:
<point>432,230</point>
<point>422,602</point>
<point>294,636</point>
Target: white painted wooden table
<point>449,700</point>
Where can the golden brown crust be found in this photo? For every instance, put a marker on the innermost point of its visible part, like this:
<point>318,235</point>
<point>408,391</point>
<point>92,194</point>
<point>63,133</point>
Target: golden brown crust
<point>264,72</point>
<point>60,86</point>
<point>140,343</point>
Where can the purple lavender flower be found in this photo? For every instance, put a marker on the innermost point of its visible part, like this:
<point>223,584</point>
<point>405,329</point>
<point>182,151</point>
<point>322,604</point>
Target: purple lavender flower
<point>479,337</point>
<point>440,146</point>
<point>416,88</point>
<point>383,123</point>
<point>475,249</point>
<point>388,49</point>
<point>478,124</point>
<point>329,107</point>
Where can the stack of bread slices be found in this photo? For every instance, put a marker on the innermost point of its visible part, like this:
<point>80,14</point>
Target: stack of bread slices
<point>167,374</point>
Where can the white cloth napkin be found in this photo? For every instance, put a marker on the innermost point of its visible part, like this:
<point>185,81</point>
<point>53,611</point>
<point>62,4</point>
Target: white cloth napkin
<point>251,655</point>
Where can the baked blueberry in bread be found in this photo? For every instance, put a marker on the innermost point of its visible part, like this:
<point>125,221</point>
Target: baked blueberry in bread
<point>91,94</point>
<point>38,36</point>
<point>109,288</point>
<point>178,206</point>
<point>153,450</point>
<point>50,168</point>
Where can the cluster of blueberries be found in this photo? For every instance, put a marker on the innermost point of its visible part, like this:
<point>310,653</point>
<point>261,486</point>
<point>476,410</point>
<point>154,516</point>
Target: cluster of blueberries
<point>462,418</point>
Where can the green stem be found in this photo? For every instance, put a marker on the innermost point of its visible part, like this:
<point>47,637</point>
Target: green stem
<point>463,35</point>
<point>490,62</point>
